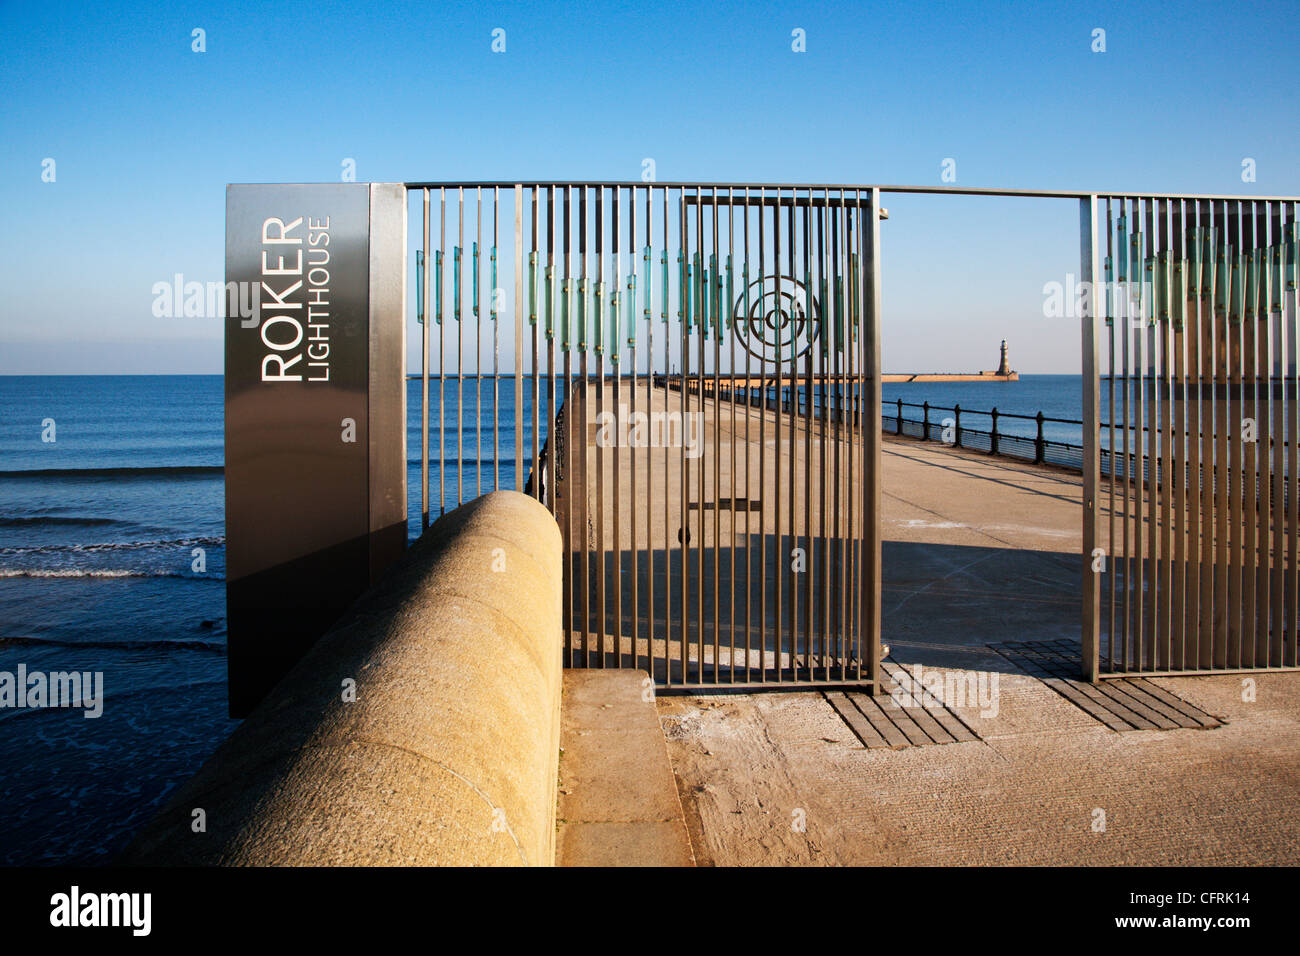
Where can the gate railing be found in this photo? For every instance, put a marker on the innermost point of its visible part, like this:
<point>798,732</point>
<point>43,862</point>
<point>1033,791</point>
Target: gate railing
<point>707,540</point>
<point>1194,341</point>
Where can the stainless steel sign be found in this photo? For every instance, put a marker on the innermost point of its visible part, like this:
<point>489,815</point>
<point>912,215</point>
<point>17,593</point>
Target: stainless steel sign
<point>303,376</point>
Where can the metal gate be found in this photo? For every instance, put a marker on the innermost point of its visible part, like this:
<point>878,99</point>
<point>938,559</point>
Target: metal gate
<point>696,397</point>
<point>1190,523</point>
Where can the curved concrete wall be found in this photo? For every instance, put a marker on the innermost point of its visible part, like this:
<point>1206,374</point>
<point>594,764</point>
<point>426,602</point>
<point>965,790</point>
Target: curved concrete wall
<point>448,754</point>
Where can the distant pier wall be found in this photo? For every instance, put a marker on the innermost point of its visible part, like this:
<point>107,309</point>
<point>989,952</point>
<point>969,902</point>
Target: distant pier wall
<point>448,752</point>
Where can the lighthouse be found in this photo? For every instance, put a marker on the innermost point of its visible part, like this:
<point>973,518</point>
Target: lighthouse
<point>1003,367</point>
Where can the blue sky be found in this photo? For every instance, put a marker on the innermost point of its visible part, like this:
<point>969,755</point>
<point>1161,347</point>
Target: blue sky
<point>146,134</point>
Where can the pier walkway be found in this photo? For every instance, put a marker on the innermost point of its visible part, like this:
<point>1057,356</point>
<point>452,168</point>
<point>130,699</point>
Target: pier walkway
<point>979,551</point>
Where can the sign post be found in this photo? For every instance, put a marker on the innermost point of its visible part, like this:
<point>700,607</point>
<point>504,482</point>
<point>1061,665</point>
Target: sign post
<point>315,403</point>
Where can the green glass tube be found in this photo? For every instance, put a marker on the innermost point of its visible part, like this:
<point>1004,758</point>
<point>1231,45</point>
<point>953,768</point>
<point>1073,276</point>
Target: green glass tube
<point>419,286</point>
<point>1275,279</point>
<point>1238,299</point>
<point>684,294</point>
<point>455,279</point>
<point>1107,270</point>
<point>649,281</point>
<point>614,333</point>
<point>1292,249</point>
<point>1122,245</point>
<point>663,265</point>
<point>631,309</point>
<point>550,302</point>
<point>437,284</point>
<point>566,298</point>
<point>1207,264</point>
<point>532,288</point>
<point>1222,278</point>
<point>1194,265</point>
<point>582,315</point>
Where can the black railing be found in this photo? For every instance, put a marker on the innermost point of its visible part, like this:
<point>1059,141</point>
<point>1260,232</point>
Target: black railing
<point>1036,448</point>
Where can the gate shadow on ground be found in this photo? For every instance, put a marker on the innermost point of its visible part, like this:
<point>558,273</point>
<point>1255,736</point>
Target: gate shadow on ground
<point>942,604</point>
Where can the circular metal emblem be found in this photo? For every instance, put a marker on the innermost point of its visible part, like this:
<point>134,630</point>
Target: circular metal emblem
<point>783,319</point>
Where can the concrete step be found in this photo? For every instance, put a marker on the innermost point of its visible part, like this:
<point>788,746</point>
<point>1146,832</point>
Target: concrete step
<point>618,801</point>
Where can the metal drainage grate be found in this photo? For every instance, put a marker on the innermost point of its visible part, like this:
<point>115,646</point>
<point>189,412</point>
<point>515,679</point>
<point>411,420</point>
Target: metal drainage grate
<point>1122,704</point>
<point>886,723</point>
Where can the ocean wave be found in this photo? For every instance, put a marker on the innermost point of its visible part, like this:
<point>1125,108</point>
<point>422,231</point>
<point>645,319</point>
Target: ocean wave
<point>214,646</point>
<point>103,573</point>
<point>209,542</point>
<point>146,471</point>
<point>21,521</point>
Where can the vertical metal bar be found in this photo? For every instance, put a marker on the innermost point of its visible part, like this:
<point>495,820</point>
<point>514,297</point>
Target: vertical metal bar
<point>1090,268</point>
<point>1276,395</point>
<point>617,455</point>
<point>460,352</point>
<point>716,302</point>
<point>597,328</point>
<point>585,524</point>
<point>649,263</point>
<point>1290,386</point>
<point>753,489</point>
<point>519,314</point>
<point>825,229</point>
<point>442,358</point>
<point>478,352</point>
<point>735,482</point>
<point>1190,399</point>
<point>1250,485</point>
<point>668,546</point>
<point>552,413</point>
<point>424,369</point>
<point>1111,557</point>
<point>792,578</point>
<point>814,320</point>
<point>1236,447</point>
<point>841,448</point>
<point>1225,446</point>
<point>631,343</point>
<point>778,485</point>
<point>871,447</point>
<point>1164,444</point>
<point>702,309</point>
<point>1128,269</point>
<point>535,450</point>
<point>1208,427</point>
<point>1138,265</point>
<point>850,336</point>
<point>1259,496</point>
<point>573,427</point>
<point>1260,505</point>
<point>1175,503</point>
<point>762,446</point>
<point>1152,633</point>
<point>684,300</point>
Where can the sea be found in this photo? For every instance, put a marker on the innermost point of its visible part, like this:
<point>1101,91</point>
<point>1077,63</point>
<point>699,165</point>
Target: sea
<point>112,561</point>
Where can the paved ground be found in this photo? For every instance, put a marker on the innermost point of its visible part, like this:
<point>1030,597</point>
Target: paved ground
<point>980,550</point>
<point>977,550</point>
